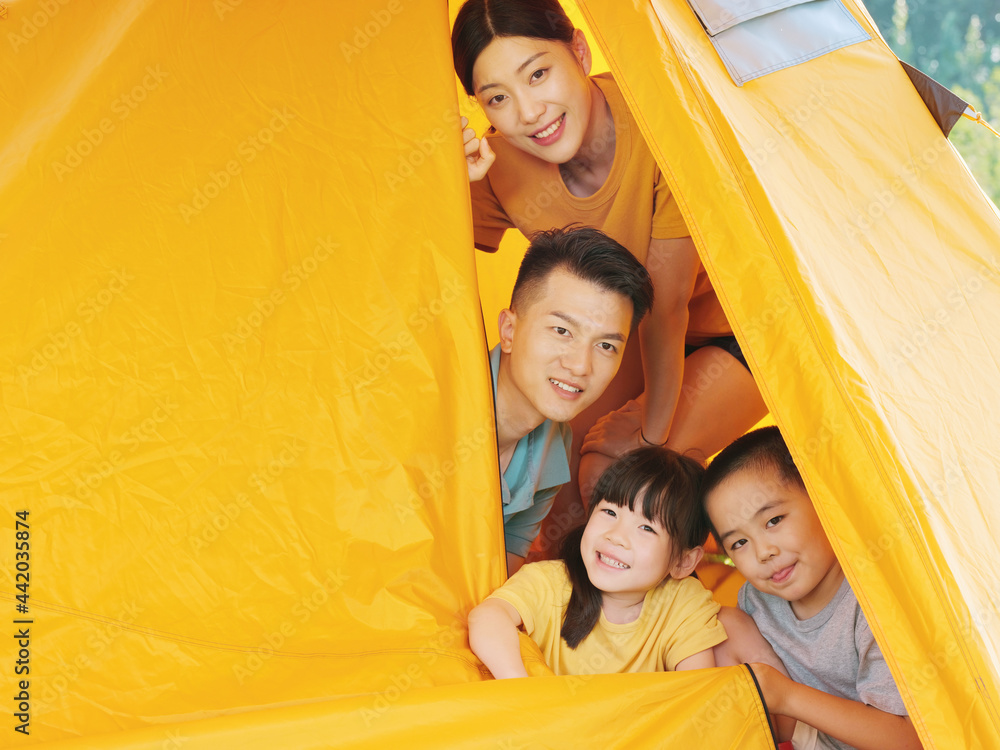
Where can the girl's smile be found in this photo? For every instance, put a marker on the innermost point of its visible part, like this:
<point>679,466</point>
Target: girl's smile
<point>626,555</point>
<point>611,562</point>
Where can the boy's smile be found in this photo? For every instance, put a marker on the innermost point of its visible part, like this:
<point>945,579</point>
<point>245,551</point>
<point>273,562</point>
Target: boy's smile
<point>772,533</point>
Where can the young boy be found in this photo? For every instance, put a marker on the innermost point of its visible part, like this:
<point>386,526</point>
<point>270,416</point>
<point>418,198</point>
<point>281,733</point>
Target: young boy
<point>578,297</point>
<point>800,600</point>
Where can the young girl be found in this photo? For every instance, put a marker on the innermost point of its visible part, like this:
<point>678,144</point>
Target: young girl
<point>622,599</point>
<point>564,148</point>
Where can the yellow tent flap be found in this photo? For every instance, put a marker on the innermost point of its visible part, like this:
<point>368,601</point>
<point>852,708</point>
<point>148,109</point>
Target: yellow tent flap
<point>618,711</point>
<point>854,255</point>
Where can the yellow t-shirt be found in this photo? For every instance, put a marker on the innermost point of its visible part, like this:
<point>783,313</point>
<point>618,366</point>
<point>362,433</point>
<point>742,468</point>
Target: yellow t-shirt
<point>633,205</point>
<point>678,620</point>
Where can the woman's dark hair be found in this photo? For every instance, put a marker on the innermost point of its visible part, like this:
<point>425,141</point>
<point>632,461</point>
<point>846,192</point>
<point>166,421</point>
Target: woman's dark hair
<point>479,22</point>
<point>669,485</point>
<point>759,451</point>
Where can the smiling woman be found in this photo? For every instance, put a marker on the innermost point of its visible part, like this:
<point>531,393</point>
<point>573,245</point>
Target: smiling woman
<point>536,93</point>
<point>564,149</point>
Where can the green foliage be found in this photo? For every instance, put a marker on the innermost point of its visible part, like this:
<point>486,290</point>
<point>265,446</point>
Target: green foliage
<point>979,147</point>
<point>958,44</point>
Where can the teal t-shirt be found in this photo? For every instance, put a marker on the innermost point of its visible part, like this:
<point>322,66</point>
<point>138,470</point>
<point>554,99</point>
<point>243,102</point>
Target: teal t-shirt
<point>538,468</point>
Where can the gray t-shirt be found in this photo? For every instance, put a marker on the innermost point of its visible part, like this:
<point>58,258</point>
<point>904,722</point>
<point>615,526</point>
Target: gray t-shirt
<point>833,651</point>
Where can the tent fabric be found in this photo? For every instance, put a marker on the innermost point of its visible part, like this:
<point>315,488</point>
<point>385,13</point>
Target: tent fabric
<point>237,398</point>
<point>246,401</point>
<point>855,256</point>
<point>762,42</point>
<point>246,397</point>
<point>616,711</point>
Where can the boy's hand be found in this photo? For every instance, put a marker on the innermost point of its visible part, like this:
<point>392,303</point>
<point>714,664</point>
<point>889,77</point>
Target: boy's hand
<point>774,686</point>
<point>852,722</point>
<point>478,154</point>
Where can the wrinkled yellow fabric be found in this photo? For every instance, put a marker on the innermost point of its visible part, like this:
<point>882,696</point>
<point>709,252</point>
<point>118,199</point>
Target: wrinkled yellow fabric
<point>856,259</point>
<point>246,404</point>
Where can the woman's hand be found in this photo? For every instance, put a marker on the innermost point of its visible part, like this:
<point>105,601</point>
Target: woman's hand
<point>478,154</point>
<point>617,433</point>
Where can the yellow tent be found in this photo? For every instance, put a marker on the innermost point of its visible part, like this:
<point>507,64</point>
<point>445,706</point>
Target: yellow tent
<point>247,465</point>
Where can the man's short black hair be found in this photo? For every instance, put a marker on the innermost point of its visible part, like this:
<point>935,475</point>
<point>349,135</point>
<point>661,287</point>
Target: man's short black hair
<point>588,254</point>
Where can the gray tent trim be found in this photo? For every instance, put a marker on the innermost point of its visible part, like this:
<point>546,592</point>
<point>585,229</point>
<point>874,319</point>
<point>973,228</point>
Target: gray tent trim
<point>945,106</point>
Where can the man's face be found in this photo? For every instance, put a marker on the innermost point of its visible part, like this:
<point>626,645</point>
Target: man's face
<point>564,347</point>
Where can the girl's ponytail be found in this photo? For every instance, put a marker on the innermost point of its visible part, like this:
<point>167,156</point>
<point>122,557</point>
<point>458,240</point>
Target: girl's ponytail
<point>584,608</point>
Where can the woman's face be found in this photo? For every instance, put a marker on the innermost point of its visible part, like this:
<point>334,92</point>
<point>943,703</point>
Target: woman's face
<point>536,93</point>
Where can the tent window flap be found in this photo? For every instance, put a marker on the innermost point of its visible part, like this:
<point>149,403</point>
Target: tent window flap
<point>719,15</point>
<point>757,37</point>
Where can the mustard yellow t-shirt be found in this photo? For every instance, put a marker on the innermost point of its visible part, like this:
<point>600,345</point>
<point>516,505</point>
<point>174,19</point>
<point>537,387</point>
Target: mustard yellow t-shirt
<point>678,620</point>
<point>633,206</point>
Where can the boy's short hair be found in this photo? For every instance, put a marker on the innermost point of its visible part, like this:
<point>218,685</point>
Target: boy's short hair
<point>588,254</point>
<point>759,451</point>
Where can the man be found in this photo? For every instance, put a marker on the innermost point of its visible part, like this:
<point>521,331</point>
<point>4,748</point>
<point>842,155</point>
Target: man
<point>578,297</point>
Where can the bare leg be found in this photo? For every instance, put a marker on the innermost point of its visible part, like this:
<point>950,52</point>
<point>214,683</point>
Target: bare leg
<point>719,402</point>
